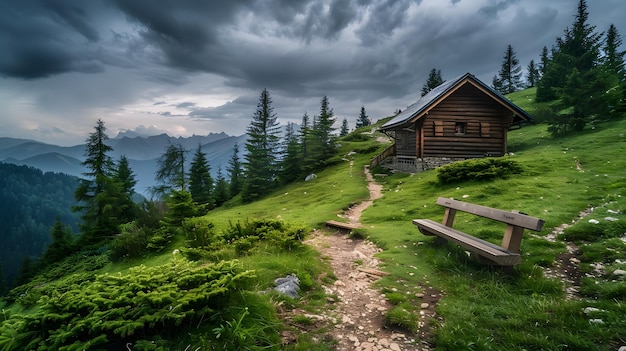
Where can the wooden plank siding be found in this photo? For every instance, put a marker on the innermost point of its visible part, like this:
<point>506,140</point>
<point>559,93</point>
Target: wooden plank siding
<point>485,122</point>
<point>462,118</point>
<point>405,143</point>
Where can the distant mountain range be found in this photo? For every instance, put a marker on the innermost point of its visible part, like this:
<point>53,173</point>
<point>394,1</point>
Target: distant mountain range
<point>142,153</point>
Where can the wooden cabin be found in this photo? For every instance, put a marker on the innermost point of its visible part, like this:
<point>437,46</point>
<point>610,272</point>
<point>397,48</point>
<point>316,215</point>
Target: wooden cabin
<point>460,119</point>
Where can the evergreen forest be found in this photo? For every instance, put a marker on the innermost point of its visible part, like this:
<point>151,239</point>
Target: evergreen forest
<point>31,202</point>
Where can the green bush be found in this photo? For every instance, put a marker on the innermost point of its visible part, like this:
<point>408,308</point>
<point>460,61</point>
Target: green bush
<point>199,232</point>
<point>478,169</point>
<point>246,236</point>
<point>132,242</point>
<point>148,303</point>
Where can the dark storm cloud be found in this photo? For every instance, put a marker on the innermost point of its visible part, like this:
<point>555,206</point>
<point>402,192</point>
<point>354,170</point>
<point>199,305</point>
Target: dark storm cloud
<point>386,16</point>
<point>39,39</point>
<point>153,59</point>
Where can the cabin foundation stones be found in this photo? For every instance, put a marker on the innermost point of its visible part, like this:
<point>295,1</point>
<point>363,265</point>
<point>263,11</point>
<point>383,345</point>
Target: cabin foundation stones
<point>414,164</point>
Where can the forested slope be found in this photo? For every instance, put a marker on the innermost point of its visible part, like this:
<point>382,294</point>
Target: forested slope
<point>30,202</point>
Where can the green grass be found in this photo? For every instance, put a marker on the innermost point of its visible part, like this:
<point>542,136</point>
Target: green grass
<point>483,308</point>
<point>561,178</point>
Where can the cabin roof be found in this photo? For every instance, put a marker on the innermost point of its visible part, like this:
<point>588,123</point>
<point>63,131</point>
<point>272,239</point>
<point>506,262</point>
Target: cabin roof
<point>428,101</point>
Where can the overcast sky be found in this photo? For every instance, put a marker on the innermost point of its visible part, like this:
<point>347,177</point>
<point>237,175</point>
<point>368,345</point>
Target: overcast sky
<point>198,66</point>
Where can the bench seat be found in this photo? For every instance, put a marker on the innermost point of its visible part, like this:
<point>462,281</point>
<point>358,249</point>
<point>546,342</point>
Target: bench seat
<point>492,252</point>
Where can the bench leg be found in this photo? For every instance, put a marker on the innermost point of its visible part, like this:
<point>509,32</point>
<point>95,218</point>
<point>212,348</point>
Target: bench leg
<point>512,238</point>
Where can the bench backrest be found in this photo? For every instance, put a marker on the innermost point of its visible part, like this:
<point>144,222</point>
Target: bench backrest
<point>512,218</point>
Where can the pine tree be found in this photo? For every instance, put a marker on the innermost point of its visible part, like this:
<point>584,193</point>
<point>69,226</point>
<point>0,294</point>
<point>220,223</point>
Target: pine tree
<point>306,141</point>
<point>98,194</point>
<point>200,180</point>
<point>261,161</point>
<point>496,83</point>
<point>434,80</point>
<point>292,162</point>
<point>125,176</point>
<point>363,120</point>
<point>171,170</point>
<point>576,77</point>
<point>614,59</point>
<point>545,61</point>
<point>62,244</point>
<point>532,74</point>
<point>509,78</point>
<point>323,147</point>
<point>220,194</point>
<point>344,128</point>
<point>235,172</point>
<point>613,62</point>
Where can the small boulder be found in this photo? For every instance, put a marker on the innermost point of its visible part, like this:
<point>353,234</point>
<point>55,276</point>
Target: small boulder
<point>290,285</point>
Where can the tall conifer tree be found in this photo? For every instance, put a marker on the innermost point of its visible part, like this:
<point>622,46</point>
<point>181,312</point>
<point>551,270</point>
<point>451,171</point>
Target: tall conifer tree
<point>200,180</point>
<point>363,120</point>
<point>98,193</point>
<point>125,176</point>
<point>235,172</point>
<point>323,130</point>
<point>171,170</point>
<point>434,80</point>
<point>292,161</point>
<point>532,74</point>
<point>344,128</point>
<point>509,78</point>
<point>262,145</point>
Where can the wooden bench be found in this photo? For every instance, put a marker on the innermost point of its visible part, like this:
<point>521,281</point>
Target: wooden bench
<point>505,255</point>
<point>341,225</point>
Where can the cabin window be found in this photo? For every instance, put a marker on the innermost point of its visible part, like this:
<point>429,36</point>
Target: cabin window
<point>460,127</point>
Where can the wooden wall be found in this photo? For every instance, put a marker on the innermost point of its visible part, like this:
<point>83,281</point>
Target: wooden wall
<point>435,134</point>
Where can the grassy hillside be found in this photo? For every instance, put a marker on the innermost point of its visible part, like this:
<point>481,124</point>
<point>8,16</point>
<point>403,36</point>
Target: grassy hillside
<point>482,309</point>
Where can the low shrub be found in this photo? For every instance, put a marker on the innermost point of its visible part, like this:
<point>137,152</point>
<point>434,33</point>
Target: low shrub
<point>146,304</point>
<point>132,242</point>
<point>199,232</point>
<point>478,169</point>
<point>245,236</point>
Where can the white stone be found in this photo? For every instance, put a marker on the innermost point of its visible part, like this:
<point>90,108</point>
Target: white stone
<point>393,346</point>
<point>588,310</point>
<point>611,219</point>
<point>424,305</point>
<point>594,221</point>
<point>619,272</point>
<point>596,321</point>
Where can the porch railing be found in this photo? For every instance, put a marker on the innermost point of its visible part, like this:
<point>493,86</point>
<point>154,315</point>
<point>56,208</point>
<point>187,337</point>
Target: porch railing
<point>390,151</point>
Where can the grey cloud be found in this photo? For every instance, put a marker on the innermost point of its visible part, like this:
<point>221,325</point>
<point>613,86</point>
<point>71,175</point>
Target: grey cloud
<point>185,104</point>
<point>238,109</point>
<point>38,39</point>
<point>493,10</point>
<point>386,16</point>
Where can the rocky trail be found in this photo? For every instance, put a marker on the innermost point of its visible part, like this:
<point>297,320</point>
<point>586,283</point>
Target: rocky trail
<point>357,317</point>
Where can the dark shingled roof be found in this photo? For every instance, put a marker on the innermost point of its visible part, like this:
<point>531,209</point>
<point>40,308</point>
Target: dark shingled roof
<point>426,101</point>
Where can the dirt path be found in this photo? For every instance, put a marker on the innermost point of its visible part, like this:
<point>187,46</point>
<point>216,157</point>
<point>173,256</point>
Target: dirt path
<point>359,315</point>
